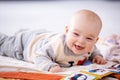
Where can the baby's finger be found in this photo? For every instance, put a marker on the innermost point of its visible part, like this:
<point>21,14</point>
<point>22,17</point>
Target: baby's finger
<point>103,61</point>
<point>93,61</point>
<point>98,61</point>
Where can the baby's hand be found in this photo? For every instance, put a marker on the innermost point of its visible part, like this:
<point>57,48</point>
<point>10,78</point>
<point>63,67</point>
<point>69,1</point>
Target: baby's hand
<point>99,60</point>
<point>55,69</point>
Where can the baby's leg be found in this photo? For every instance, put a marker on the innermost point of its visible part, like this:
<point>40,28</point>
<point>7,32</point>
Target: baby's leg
<point>2,38</point>
<point>11,46</point>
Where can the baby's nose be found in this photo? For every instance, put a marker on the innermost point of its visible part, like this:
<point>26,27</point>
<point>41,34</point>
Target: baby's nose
<point>81,40</point>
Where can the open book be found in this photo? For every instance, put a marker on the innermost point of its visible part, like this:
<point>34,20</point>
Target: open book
<point>94,74</point>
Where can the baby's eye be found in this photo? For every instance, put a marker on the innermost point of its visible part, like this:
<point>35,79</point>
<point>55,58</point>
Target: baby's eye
<point>76,34</point>
<point>89,38</point>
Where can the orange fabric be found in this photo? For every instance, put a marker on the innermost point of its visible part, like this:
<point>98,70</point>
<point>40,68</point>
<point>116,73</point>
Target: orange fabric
<point>30,76</point>
<point>117,76</point>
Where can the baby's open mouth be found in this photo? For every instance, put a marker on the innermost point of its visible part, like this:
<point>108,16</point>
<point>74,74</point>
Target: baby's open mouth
<point>79,47</point>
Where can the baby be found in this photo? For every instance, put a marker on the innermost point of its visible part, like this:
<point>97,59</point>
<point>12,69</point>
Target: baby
<point>51,51</point>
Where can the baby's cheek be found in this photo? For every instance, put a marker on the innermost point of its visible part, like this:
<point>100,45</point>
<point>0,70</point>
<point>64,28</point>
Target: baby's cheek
<point>89,48</point>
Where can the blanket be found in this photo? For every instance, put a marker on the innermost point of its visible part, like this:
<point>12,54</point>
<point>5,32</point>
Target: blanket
<point>16,69</point>
<point>29,76</point>
<point>110,47</point>
<point>11,65</point>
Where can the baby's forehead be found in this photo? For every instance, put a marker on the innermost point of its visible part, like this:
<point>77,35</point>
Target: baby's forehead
<point>86,15</point>
<point>85,20</point>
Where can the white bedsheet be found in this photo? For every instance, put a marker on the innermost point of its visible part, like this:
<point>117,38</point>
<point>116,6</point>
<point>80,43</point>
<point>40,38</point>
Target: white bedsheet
<point>9,64</point>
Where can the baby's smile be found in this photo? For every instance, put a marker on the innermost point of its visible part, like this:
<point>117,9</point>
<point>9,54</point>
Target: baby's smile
<point>78,47</point>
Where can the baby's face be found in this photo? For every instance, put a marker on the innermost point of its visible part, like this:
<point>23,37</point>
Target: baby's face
<point>82,35</point>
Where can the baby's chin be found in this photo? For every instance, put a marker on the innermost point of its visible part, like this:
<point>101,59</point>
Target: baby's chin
<point>80,53</point>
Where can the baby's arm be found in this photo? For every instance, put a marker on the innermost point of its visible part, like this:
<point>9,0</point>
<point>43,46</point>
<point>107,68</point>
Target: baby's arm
<point>45,59</point>
<point>46,64</point>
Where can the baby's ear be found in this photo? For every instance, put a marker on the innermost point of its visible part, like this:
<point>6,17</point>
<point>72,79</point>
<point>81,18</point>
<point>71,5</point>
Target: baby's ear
<point>66,28</point>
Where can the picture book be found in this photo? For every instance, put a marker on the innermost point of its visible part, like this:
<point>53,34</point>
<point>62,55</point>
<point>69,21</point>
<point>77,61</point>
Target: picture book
<point>94,74</point>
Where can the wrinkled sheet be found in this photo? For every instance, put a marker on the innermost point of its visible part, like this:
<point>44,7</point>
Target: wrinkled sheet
<point>8,64</point>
